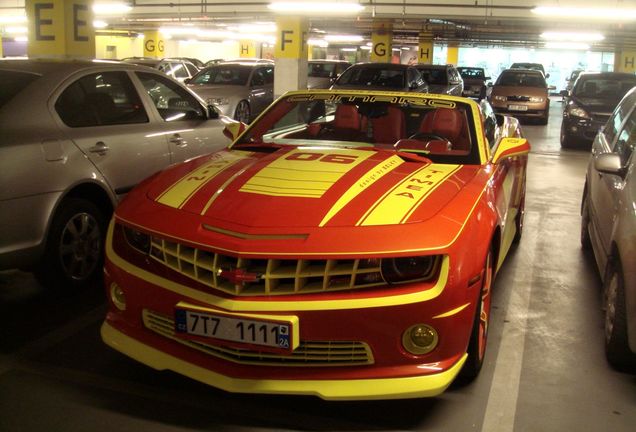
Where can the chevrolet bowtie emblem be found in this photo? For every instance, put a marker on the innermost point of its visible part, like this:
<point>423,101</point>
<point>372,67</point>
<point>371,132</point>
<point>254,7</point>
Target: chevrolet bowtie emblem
<point>238,276</point>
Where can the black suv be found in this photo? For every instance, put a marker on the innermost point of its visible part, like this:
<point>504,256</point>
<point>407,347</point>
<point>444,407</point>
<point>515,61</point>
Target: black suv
<point>475,81</point>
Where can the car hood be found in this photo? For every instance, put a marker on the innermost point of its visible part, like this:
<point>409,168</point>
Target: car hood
<point>596,104</point>
<point>519,91</point>
<point>309,200</point>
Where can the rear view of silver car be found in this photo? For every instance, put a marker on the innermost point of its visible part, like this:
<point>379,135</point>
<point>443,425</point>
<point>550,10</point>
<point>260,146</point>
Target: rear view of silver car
<point>608,227</point>
<point>76,137</point>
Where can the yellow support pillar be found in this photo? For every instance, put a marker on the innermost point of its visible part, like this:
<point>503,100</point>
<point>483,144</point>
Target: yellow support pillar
<point>626,62</point>
<point>154,45</point>
<point>247,49</point>
<point>381,42</point>
<point>452,55</point>
<point>290,54</point>
<point>60,28</point>
<point>425,49</point>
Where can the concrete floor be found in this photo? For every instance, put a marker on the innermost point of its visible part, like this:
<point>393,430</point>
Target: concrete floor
<point>545,367</point>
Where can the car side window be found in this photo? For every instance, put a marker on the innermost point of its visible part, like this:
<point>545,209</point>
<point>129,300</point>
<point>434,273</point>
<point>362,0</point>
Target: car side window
<point>268,75</point>
<point>626,140</point>
<point>614,123</point>
<point>258,78</point>
<point>173,102</point>
<point>192,69</point>
<point>100,99</point>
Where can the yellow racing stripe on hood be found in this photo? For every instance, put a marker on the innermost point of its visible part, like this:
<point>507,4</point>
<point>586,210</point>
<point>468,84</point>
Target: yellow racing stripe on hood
<point>360,185</point>
<point>182,190</point>
<point>399,203</point>
<point>306,173</point>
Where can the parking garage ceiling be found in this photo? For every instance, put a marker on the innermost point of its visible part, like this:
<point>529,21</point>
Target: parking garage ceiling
<point>480,23</point>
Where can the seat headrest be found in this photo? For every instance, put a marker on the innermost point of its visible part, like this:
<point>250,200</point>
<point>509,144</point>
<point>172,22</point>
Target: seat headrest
<point>347,117</point>
<point>447,123</point>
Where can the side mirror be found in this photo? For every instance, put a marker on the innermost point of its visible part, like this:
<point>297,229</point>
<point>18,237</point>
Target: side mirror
<point>551,87</point>
<point>486,78</point>
<point>547,76</point>
<point>490,84</point>
<point>233,128</point>
<point>609,163</point>
<point>511,147</point>
<point>187,80</point>
<point>212,113</point>
<point>564,93</point>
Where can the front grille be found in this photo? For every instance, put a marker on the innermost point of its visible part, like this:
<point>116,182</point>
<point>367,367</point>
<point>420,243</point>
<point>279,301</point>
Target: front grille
<point>518,98</point>
<point>308,353</point>
<point>244,277</point>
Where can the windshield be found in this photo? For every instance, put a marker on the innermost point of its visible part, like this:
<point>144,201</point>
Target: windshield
<point>600,87</point>
<point>223,75</point>
<point>12,83</point>
<point>471,72</point>
<point>372,76</point>
<point>434,76</point>
<point>440,130</point>
<point>321,70</point>
<point>521,79</point>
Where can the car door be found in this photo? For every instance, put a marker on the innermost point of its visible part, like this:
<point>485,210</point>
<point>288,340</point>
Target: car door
<point>184,120</point>
<point>102,113</point>
<point>261,89</point>
<point>609,188</point>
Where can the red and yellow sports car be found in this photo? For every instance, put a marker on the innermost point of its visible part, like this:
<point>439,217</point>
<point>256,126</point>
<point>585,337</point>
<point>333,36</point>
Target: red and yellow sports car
<point>343,246</point>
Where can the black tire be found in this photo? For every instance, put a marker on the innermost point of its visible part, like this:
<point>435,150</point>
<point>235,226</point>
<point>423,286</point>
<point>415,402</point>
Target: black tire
<point>616,344</point>
<point>566,140</point>
<point>479,333</point>
<point>73,255</point>
<point>544,120</point>
<point>243,112</point>
<point>586,242</point>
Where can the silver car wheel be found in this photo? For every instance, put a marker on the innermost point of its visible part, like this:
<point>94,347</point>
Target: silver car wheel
<point>80,245</point>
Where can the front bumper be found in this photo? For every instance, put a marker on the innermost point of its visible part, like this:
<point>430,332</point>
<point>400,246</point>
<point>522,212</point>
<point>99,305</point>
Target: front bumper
<point>532,110</point>
<point>356,389</point>
<point>580,128</point>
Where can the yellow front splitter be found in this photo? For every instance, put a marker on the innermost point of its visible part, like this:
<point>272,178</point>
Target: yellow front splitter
<point>361,389</point>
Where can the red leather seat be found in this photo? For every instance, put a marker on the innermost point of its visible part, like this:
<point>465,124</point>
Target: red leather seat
<point>347,117</point>
<point>389,128</point>
<point>448,123</point>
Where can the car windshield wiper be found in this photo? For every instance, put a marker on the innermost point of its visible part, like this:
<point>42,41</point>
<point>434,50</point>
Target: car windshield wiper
<point>260,146</point>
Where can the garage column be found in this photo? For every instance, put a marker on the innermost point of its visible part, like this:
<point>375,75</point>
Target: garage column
<point>425,48</point>
<point>625,61</point>
<point>290,54</point>
<point>452,55</point>
<point>247,49</point>
<point>381,42</point>
<point>154,45</point>
<point>60,28</point>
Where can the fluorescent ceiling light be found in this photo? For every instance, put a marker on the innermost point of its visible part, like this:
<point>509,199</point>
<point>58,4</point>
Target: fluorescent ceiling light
<point>100,24</point>
<point>21,39</point>
<point>318,42</point>
<point>254,28</point>
<point>365,47</point>
<point>567,45</point>
<point>111,8</point>
<point>16,30</point>
<point>572,37</point>
<point>349,49</point>
<point>344,38</point>
<point>16,19</point>
<point>615,14</point>
<point>320,7</point>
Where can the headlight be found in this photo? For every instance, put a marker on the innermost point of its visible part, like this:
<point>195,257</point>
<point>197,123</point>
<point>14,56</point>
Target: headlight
<point>500,98</point>
<point>576,111</point>
<point>536,99</point>
<point>218,101</point>
<point>409,269</point>
<point>137,240</point>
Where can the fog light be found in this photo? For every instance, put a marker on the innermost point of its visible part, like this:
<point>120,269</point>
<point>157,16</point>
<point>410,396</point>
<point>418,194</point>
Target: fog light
<point>420,339</point>
<point>117,296</point>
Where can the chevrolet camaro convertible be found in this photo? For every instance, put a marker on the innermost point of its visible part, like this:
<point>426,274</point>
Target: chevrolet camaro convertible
<point>344,246</point>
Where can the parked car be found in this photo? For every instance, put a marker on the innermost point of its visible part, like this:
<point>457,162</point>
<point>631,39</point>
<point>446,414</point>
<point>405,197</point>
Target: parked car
<point>76,137</point>
<point>533,66</point>
<point>475,81</point>
<point>571,79</point>
<point>177,68</point>
<point>608,227</point>
<point>590,103</point>
<point>522,93</point>
<point>443,79</point>
<point>382,76</point>
<point>321,74</point>
<point>318,256</point>
<point>240,90</point>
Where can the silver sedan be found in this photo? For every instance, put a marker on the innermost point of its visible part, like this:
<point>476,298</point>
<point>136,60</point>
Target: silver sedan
<point>76,137</point>
<point>241,90</point>
<point>609,228</point>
